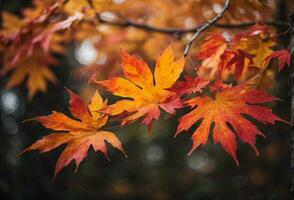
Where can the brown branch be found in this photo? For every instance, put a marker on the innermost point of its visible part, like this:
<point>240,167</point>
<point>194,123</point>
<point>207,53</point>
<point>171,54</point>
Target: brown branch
<point>178,31</point>
<point>204,27</point>
<point>199,29</point>
<point>129,23</point>
<point>125,22</point>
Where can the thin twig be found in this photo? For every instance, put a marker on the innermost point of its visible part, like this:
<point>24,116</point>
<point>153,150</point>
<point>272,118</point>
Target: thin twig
<point>204,27</point>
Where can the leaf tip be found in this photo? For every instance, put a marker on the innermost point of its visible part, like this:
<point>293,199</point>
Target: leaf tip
<point>22,152</point>
<point>235,159</point>
<point>193,148</point>
<point>126,156</point>
<point>54,177</point>
<point>237,163</point>
<point>68,90</point>
<point>27,120</point>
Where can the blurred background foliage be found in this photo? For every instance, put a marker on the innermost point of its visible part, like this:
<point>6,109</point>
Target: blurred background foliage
<point>157,167</point>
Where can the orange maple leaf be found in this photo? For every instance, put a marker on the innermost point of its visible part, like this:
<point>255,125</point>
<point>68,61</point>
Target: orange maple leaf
<point>227,107</point>
<point>78,134</point>
<point>190,85</point>
<point>241,61</point>
<point>148,93</point>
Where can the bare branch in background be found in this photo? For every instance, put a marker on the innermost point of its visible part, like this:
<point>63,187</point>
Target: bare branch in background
<point>178,31</point>
<point>125,22</point>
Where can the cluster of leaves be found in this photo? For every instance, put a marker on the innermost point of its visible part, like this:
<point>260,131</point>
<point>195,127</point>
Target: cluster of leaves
<point>243,55</point>
<point>145,95</point>
<point>224,89</point>
<point>26,46</point>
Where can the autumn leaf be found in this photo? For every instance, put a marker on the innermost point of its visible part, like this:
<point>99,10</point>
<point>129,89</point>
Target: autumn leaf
<point>256,30</point>
<point>189,86</point>
<point>25,47</point>
<point>228,107</point>
<point>243,54</point>
<point>79,134</point>
<point>283,57</point>
<point>35,72</point>
<point>21,39</point>
<point>241,62</point>
<point>11,24</point>
<point>44,38</point>
<point>210,53</point>
<point>225,68</point>
<point>257,41</point>
<point>148,92</point>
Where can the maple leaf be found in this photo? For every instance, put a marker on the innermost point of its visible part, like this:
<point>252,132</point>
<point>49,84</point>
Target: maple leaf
<point>283,57</point>
<point>225,68</point>
<point>26,44</point>
<point>241,61</point>
<point>257,41</point>
<point>210,53</point>
<point>10,25</point>
<point>228,106</point>
<point>35,33</point>
<point>148,93</point>
<point>20,40</point>
<point>45,37</point>
<point>254,30</point>
<point>34,71</point>
<point>189,86</point>
<point>79,135</point>
<point>242,54</point>
<point>211,45</point>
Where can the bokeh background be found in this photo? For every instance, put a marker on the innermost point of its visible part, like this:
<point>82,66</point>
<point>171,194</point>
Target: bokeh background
<point>157,166</point>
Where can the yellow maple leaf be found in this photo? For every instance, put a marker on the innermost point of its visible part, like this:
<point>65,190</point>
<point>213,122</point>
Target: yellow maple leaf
<point>148,93</point>
<point>35,71</point>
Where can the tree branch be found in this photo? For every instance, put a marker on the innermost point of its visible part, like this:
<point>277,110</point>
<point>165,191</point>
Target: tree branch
<point>125,22</point>
<point>129,23</point>
<point>177,31</point>
<point>204,27</point>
